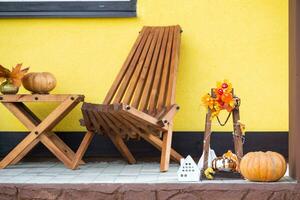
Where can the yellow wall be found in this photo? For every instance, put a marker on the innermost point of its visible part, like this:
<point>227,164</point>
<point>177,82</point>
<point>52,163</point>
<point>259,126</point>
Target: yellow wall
<point>245,41</point>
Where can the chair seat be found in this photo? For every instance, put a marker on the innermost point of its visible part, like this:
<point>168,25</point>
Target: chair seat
<point>121,118</point>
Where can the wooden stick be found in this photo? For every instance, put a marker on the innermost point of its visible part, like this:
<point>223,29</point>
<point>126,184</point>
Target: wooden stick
<point>206,138</point>
<point>237,137</point>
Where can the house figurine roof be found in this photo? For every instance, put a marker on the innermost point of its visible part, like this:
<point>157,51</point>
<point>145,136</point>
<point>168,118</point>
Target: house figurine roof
<point>188,170</point>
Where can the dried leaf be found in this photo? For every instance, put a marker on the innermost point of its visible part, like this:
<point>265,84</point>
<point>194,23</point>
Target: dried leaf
<point>25,70</point>
<point>17,74</point>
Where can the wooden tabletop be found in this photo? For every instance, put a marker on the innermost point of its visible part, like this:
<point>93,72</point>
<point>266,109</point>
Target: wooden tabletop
<point>40,97</point>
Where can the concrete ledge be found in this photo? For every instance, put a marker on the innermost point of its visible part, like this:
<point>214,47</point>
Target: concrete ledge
<point>257,191</point>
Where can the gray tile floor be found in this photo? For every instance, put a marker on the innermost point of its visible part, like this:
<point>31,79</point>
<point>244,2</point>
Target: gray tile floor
<point>96,172</point>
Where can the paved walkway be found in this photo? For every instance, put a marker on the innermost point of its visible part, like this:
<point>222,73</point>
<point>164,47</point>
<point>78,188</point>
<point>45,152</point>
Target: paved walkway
<point>96,172</point>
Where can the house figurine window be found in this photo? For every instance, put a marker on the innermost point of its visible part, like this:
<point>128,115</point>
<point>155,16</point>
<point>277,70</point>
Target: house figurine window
<point>67,8</point>
<point>188,170</point>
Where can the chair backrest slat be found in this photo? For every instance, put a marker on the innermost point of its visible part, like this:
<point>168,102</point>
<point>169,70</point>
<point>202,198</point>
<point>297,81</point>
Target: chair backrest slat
<point>145,72</point>
<point>164,79</point>
<point>148,76</point>
<point>131,69</point>
<point>155,86</point>
<point>138,70</point>
<point>133,53</point>
<point>153,68</point>
<point>173,68</point>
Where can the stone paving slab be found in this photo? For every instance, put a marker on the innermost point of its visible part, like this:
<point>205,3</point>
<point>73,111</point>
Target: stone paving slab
<point>98,172</point>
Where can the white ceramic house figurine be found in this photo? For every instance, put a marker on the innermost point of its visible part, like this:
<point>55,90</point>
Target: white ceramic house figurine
<point>188,170</point>
<point>211,157</point>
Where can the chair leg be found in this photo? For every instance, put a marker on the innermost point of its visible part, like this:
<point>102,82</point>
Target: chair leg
<point>166,150</point>
<point>82,149</point>
<point>123,149</point>
<point>158,143</point>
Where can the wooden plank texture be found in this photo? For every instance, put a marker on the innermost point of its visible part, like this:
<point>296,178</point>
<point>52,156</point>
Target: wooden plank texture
<point>150,78</point>
<point>161,102</point>
<point>124,69</point>
<point>40,130</point>
<point>39,97</point>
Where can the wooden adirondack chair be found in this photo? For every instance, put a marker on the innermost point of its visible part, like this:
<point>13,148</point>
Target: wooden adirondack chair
<point>141,101</point>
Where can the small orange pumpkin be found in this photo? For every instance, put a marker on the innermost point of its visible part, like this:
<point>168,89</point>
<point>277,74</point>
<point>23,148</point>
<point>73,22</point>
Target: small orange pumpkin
<point>263,166</point>
<point>40,83</point>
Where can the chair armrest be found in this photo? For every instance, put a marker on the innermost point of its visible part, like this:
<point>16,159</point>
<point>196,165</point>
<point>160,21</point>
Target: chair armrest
<point>168,116</point>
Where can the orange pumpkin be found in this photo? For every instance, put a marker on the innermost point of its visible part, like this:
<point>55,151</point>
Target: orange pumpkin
<point>263,166</point>
<point>40,83</point>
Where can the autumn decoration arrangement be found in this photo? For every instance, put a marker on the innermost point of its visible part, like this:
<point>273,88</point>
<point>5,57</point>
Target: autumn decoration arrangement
<point>221,99</point>
<point>254,166</point>
<point>11,80</point>
<point>35,82</point>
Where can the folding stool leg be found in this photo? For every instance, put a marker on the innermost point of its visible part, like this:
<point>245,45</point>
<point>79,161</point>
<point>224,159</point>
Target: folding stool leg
<point>82,149</point>
<point>30,120</point>
<point>27,141</point>
<point>25,151</point>
<point>64,148</point>
<point>52,146</point>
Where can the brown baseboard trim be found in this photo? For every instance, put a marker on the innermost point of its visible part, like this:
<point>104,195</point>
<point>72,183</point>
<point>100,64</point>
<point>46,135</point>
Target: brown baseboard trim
<point>186,143</point>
